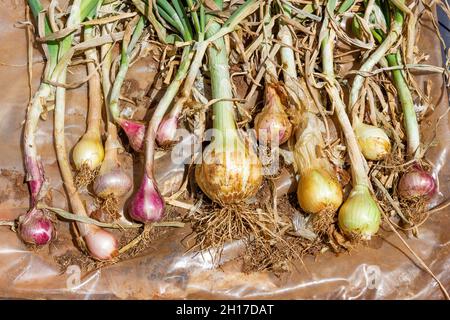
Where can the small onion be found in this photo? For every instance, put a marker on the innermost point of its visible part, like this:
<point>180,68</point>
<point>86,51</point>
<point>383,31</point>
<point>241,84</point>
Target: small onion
<point>360,214</point>
<point>229,176</point>
<point>416,183</point>
<point>272,123</point>
<point>167,130</point>
<point>373,141</point>
<point>147,204</point>
<point>135,132</point>
<point>318,191</point>
<point>111,179</point>
<point>89,150</point>
<point>36,228</point>
<point>113,182</point>
<point>101,244</point>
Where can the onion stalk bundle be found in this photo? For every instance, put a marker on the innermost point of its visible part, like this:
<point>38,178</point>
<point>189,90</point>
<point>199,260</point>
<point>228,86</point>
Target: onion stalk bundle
<point>416,183</point>
<point>359,215</point>
<point>318,189</point>
<point>374,142</point>
<point>272,124</point>
<point>88,153</point>
<point>35,227</point>
<point>147,205</point>
<point>230,172</point>
<point>101,244</point>
<point>112,182</point>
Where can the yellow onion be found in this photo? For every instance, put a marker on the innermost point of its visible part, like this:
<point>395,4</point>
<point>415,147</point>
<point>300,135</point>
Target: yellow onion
<point>229,176</point>
<point>359,215</point>
<point>373,141</point>
<point>318,191</point>
<point>272,123</point>
<point>318,188</point>
<point>88,151</point>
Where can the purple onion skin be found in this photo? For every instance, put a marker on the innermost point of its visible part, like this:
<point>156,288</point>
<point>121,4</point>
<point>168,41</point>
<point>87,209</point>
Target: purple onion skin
<point>147,204</point>
<point>416,183</point>
<point>35,178</point>
<point>165,136</point>
<point>135,132</point>
<point>36,228</point>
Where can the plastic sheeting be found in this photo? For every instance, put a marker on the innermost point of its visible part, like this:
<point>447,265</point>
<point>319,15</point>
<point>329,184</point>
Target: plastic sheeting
<point>382,270</point>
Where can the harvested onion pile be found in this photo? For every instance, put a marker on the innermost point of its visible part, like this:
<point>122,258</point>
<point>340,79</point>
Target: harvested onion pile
<point>317,97</point>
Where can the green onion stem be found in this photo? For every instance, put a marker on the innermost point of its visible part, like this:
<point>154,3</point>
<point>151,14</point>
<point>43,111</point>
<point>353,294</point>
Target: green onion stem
<point>127,48</point>
<point>163,105</point>
<point>376,56</point>
<point>406,100</point>
<point>59,136</point>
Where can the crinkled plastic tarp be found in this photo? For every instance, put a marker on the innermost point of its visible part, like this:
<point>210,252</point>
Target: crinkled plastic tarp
<point>383,270</point>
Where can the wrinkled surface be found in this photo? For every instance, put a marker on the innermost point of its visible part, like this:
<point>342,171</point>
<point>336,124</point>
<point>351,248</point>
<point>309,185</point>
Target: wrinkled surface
<point>383,270</point>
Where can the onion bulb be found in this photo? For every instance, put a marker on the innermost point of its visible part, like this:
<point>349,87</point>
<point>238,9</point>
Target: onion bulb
<point>36,228</point>
<point>135,132</point>
<point>167,131</point>
<point>111,179</point>
<point>360,214</point>
<point>101,244</point>
<point>373,141</point>
<point>272,123</point>
<point>318,191</point>
<point>318,188</point>
<point>229,176</point>
<point>147,204</point>
<point>416,183</point>
<point>88,151</point>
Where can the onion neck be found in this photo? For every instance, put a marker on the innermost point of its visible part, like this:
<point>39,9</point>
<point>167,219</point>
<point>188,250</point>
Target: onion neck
<point>407,103</point>
<point>356,159</point>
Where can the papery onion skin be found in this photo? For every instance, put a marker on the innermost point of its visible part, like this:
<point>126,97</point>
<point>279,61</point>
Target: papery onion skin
<point>416,183</point>
<point>135,132</point>
<point>272,123</point>
<point>147,204</point>
<point>89,150</point>
<point>114,182</point>
<point>359,214</point>
<point>167,131</point>
<point>101,244</point>
<point>318,191</point>
<point>228,177</point>
<point>36,228</point>
<point>373,142</point>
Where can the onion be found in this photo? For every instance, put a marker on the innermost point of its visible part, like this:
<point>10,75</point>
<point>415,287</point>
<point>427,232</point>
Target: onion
<point>111,179</point>
<point>135,132</point>
<point>360,214</point>
<point>101,244</point>
<point>147,204</point>
<point>373,141</point>
<point>272,123</point>
<point>319,191</point>
<point>416,183</point>
<point>167,131</point>
<point>318,188</point>
<point>88,151</point>
<point>36,228</point>
<point>229,176</point>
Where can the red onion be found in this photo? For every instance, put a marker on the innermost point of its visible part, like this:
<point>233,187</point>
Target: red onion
<point>101,244</point>
<point>416,183</point>
<point>135,132</point>
<point>147,204</point>
<point>167,130</point>
<point>35,177</point>
<point>36,228</point>
<point>272,123</point>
